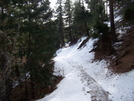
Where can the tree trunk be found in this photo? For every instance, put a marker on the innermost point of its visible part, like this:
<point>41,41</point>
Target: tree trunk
<point>87,31</point>
<point>114,38</point>
<point>70,29</point>
<point>62,38</point>
<point>17,71</point>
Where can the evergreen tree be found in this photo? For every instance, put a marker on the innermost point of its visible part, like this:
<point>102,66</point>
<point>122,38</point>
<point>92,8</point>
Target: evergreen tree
<point>27,42</point>
<point>60,25</point>
<point>97,9</point>
<point>39,38</point>
<point>126,11</point>
<point>7,33</point>
<point>68,19</point>
<point>82,19</point>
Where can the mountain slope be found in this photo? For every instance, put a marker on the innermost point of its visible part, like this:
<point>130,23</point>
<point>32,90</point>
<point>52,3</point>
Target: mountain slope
<point>86,79</point>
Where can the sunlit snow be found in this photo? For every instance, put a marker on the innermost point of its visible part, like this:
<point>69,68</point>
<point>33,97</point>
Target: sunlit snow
<point>86,79</point>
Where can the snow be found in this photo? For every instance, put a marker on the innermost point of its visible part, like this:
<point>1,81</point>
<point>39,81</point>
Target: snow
<point>86,79</point>
<point>117,45</point>
<point>68,91</point>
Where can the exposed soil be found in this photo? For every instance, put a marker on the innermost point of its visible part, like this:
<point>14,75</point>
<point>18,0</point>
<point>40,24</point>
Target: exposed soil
<point>123,54</point>
<point>124,60</point>
<point>103,49</point>
<point>28,91</point>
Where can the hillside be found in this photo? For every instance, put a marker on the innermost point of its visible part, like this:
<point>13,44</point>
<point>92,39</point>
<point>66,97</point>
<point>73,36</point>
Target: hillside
<point>124,56</point>
<point>120,55</point>
<point>89,79</point>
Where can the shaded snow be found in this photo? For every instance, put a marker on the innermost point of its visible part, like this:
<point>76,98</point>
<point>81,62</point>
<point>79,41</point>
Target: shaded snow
<point>87,80</point>
<point>69,89</point>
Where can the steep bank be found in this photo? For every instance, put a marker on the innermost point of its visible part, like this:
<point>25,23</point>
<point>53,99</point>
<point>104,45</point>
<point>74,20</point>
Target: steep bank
<point>124,57</point>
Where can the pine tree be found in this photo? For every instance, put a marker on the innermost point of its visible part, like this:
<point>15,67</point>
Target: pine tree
<point>68,19</point>
<point>82,19</point>
<point>97,9</point>
<point>7,33</point>
<point>27,42</point>
<point>125,11</point>
<point>60,24</point>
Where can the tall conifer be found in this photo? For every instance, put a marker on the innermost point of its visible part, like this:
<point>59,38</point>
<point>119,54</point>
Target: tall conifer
<point>60,24</point>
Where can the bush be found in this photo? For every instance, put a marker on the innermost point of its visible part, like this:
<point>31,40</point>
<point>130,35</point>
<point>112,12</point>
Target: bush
<point>100,30</point>
<point>129,14</point>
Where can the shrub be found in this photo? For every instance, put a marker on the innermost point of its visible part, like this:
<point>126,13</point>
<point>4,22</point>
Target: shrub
<point>100,30</point>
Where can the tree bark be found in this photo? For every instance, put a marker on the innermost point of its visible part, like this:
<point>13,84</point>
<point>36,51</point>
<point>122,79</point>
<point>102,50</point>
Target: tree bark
<point>114,38</point>
<point>17,70</point>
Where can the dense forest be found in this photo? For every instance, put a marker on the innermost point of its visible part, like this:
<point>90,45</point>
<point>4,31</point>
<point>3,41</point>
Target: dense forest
<point>31,32</point>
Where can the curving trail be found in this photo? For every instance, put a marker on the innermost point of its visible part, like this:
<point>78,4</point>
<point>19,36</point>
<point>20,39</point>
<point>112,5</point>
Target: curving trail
<point>88,80</point>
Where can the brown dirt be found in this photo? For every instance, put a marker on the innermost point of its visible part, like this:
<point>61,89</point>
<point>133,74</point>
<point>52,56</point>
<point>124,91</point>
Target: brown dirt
<point>103,49</point>
<point>19,92</point>
<point>124,60</point>
<point>124,54</point>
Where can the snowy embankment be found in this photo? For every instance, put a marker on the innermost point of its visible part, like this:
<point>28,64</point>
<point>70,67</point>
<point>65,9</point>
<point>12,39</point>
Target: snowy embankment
<point>88,80</point>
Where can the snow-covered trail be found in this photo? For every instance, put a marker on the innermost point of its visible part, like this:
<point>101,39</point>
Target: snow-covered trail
<point>88,80</point>
<point>89,84</point>
<point>77,85</point>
